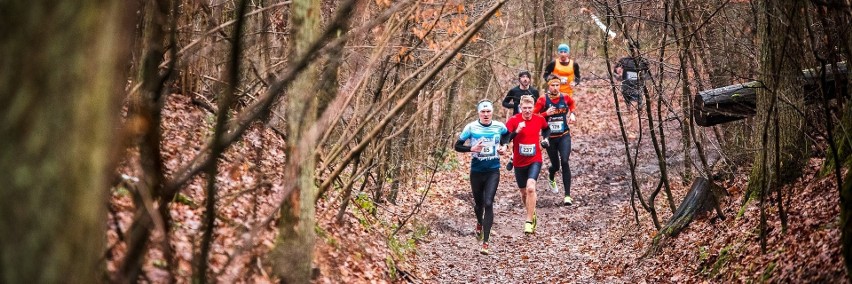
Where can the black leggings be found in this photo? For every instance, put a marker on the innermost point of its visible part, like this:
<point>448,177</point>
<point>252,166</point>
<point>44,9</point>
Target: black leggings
<point>484,187</point>
<point>559,152</point>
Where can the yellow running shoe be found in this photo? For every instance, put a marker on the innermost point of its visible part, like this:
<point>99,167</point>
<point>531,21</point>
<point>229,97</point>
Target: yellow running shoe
<point>529,228</point>
<point>553,187</point>
<point>568,200</point>
<point>484,250</point>
<point>535,221</point>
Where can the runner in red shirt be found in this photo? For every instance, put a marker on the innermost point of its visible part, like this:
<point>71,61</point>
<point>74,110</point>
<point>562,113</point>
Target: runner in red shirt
<point>527,130</point>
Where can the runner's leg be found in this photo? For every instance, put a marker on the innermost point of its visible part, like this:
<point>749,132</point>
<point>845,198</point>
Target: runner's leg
<point>477,185</point>
<point>490,189</point>
<point>564,147</point>
<point>527,197</point>
<point>532,174</point>
<point>553,156</point>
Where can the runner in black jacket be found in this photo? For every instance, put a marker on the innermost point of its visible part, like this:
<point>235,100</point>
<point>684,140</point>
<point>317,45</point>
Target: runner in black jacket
<point>513,97</point>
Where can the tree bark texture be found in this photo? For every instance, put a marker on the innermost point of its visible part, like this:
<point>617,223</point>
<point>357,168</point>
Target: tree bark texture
<point>725,104</point>
<point>703,197</point>
<point>294,251</point>
<point>780,73</point>
<point>58,101</point>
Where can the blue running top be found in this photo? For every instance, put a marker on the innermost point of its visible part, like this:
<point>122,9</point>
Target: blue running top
<point>487,160</point>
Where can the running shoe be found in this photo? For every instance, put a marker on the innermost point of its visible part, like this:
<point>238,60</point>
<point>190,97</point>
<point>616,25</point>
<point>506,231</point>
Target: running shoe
<point>479,235</point>
<point>509,166</point>
<point>553,187</point>
<point>535,221</point>
<point>529,228</point>
<point>484,250</point>
<point>568,200</point>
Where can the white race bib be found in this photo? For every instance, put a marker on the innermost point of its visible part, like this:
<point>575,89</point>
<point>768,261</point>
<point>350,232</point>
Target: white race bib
<point>488,149</point>
<point>556,126</point>
<point>632,75</point>
<point>526,150</point>
<point>564,80</point>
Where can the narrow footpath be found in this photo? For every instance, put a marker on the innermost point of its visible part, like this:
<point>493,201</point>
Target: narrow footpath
<point>581,243</point>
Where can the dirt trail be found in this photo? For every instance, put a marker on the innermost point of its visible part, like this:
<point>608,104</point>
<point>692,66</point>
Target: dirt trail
<point>571,242</point>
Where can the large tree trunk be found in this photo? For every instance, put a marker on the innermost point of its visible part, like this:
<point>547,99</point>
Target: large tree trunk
<point>59,102</point>
<point>294,251</point>
<point>779,126</point>
<point>782,150</point>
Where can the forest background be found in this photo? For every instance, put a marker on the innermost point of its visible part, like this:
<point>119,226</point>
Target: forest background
<point>298,141</point>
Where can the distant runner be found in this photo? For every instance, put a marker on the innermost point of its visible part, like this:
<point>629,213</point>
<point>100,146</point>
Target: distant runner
<point>484,136</point>
<point>558,110</point>
<point>527,130</point>
<point>564,68</point>
<point>513,97</point>
<point>632,73</point>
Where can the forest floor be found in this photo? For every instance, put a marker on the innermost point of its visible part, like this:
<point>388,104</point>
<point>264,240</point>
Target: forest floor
<point>598,240</point>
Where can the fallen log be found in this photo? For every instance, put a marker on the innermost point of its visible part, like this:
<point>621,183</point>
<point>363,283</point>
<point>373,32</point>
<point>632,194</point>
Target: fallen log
<point>703,197</point>
<point>726,104</point>
<point>836,83</point>
<point>738,101</point>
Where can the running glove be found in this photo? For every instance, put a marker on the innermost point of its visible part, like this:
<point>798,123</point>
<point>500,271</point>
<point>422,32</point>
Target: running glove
<point>545,143</point>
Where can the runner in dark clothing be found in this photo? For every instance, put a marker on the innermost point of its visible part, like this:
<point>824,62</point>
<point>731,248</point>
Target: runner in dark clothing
<point>513,97</point>
<point>527,130</point>
<point>558,110</point>
<point>485,138</point>
<point>632,72</point>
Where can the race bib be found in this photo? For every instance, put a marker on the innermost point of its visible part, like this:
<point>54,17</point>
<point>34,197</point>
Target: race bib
<point>526,150</point>
<point>556,126</point>
<point>564,80</point>
<point>632,75</point>
<point>488,149</point>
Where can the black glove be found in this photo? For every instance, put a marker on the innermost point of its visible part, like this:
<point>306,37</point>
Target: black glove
<point>545,143</point>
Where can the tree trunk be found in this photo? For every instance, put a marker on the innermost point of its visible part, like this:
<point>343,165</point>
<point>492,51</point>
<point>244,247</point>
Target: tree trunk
<point>703,196</point>
<point>59,101</point>
<point>294,251</point>
<point>544,54</point>
<point>845,224</point>
<point>780,127</point>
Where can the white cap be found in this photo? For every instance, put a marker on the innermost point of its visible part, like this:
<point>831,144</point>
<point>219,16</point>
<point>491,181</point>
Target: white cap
<point>484,105</point>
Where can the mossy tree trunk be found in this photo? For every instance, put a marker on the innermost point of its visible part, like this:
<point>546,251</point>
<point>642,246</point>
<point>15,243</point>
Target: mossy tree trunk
<point>62,67</point>
<point>703,196</point>
<point>780,128</point>
<point>845,39</point>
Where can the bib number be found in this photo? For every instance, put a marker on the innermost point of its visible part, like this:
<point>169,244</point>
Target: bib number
<point>556,126</point>
<point>487,151</point>
<point>526,150</point>
<point>632,75</point>
<point>564,80</point>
